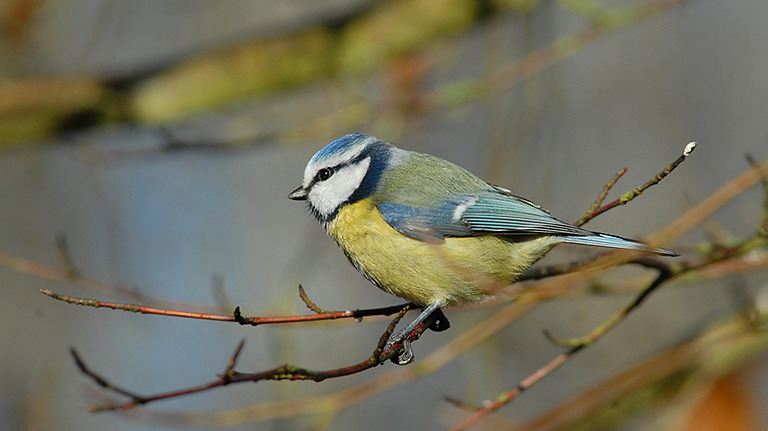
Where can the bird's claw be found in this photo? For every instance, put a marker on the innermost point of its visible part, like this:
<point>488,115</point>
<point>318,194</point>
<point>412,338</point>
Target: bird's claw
<point>405,355</point>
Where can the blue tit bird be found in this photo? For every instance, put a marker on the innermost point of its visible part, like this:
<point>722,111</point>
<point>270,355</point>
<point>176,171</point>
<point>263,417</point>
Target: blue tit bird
<point>427,230</point>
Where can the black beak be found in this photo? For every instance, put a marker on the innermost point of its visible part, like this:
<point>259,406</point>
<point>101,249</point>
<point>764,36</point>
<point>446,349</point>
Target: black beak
<point>298,195</point>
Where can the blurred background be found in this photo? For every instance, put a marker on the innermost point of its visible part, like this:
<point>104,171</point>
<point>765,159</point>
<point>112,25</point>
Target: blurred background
<point>160,140</point>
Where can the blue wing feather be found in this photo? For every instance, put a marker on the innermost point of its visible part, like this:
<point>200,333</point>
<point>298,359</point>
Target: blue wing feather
<point>501,213</point>
<point>425,224</point>
<point>494,212</point>
<point>488,212</point>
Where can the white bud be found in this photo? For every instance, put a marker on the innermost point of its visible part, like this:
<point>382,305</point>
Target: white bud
<point>689,149</point>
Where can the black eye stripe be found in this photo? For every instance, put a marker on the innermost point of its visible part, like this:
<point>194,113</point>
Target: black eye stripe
<point>330,170</point>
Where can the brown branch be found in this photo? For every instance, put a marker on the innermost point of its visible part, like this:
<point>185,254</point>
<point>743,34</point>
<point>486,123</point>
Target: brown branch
<point>666,273</point>
<point>135,308</point>
<point>235,317</point>
<point>465,341</point>
<point>294,373</point>
<point>632,194</point>
<point>601,197</point>
<point>135,399</point>
<point>288,372</point>
<point>331,315</point>
<point>695,215</point>
<point>729,344</point>
<point>311,305</point>
<point>596,209</point>
<point>71,273</point>
<point>380,355</point>
<point>575,346</point>
<point>750,256</point>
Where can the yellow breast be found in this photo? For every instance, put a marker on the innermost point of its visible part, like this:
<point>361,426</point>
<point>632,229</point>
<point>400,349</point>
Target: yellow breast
<point>457,271</point>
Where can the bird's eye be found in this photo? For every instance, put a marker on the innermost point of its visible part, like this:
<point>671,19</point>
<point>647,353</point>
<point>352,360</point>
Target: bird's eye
<point>324,174</point>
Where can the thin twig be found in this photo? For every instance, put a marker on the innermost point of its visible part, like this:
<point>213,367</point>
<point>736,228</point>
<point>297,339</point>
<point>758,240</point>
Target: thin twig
<point>575,346</point>
<point>95,377</point>
<point>462,404</point>
<point>134,308</point>
<point>666,273</point>
<point>311,305</point>
<point>632,194</point>
<point>595,210</point>
<point>663,374</point>
<point>233,360</point>
<point>235,317</point>
<point>695,215</point>
<point>601,197</point>
<point>380,355</point>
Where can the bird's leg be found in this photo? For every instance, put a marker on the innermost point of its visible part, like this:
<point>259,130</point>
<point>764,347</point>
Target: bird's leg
<point>406,357</point>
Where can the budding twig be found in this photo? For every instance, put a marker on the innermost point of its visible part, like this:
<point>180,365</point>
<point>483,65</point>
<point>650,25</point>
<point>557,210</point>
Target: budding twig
<point>632,194</point>
<point>595,210</point>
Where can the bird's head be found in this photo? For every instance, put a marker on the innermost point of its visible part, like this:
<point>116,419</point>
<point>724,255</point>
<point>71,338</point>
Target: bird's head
<point>345,171</point>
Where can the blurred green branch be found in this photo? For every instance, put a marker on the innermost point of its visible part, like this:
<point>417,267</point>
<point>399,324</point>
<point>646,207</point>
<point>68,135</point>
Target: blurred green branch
<point>37,108</point>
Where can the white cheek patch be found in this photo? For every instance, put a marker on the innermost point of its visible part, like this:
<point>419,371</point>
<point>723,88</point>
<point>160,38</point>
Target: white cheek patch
<point>326,196</point>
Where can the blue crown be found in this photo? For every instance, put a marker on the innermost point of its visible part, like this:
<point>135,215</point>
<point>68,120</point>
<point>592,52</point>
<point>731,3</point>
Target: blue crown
<point>340,145</point>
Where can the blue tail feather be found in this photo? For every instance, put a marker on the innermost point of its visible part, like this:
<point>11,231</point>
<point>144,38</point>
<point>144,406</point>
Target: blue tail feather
<point>612,241</point>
